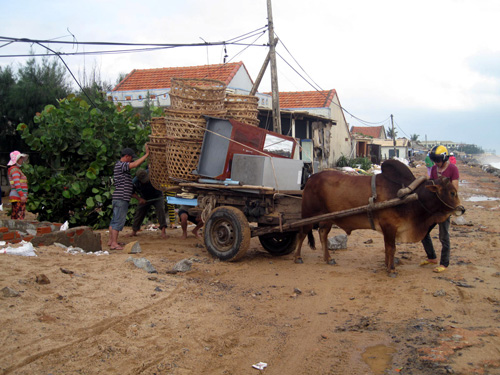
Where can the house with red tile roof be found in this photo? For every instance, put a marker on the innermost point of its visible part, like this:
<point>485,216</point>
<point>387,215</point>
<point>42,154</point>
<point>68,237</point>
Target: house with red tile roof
<point>135,88</point>
<point>363,140</point>
<point>317,118</point>
<point>369,131</point>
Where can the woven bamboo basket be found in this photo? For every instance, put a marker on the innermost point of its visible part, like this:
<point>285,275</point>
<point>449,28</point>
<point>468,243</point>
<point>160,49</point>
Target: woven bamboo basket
<point>158,128</point>
<point>188,124</point>
<point>242,108</point>
<point>246,120</point>
<point>197,94</point>
<point>241,102</point>
<point>178,128</point>
<point>182,159</point>
<point>247,113</point>
<point>199,105</point>
<point>158,171</point>
<point>155,139</point>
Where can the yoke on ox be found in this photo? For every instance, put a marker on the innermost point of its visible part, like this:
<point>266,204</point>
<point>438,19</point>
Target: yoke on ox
<point>331,191</point>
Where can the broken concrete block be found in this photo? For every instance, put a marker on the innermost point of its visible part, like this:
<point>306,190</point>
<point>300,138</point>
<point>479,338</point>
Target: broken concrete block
<point>132,248</point>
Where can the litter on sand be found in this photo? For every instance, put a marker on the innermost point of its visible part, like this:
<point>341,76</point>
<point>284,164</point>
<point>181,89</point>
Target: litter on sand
<point>260,365</point>
<point>25,249</point>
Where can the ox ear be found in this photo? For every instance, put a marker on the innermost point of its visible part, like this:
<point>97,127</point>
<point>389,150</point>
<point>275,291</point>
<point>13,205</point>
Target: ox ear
<point>446,181</point>
<point>434,188</point>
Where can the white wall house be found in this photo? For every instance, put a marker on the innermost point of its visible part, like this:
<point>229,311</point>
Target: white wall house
<point>140,84</point>
<point>328,130</point>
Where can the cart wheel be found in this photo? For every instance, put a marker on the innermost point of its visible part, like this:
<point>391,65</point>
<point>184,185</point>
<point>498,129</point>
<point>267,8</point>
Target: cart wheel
<point>279,243</point>
<point>227,233</point>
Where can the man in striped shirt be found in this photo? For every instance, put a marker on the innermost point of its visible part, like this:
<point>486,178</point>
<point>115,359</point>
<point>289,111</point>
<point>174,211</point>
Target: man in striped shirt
<point>123,192</point>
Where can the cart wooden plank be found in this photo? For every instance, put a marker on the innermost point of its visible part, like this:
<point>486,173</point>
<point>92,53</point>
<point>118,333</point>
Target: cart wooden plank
<point>333,215</point>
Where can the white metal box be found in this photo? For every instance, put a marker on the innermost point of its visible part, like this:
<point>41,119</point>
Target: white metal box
<point>279,173</point>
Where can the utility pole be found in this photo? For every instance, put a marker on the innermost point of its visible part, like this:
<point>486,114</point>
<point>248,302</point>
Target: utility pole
<point>255,86</point>
<point>393,136</point>
<point>274,71</point>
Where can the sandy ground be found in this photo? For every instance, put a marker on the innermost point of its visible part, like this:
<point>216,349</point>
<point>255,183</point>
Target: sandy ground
<point>110,317</point>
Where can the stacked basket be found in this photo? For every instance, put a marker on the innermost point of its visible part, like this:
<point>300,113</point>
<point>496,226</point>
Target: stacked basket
<point>184,128</point>
<point>158,172</point>
<point>242,108</point>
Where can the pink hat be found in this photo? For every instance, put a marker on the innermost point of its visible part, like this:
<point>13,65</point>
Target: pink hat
<point>15,156</point>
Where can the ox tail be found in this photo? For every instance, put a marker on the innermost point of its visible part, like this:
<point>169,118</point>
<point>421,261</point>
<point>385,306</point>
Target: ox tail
<point>310,239</point>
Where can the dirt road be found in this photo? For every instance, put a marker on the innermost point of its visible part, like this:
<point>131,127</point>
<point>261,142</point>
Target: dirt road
<point>110,317</point>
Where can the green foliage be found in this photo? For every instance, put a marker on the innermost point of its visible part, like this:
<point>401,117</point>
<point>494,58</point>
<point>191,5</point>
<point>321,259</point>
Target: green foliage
<point>469,149</point>
<point>25,92</point>
<point>343,162</point>
<point>362,163</point>
<point>80,146</point>
<point>414,137</point>
<point>37,86</point>
<point>389,133</point>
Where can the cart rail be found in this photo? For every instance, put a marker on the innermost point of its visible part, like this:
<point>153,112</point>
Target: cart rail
<point>334,215</point>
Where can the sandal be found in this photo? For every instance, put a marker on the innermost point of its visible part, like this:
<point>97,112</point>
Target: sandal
<point>439,269</point>
<point>426,262</point>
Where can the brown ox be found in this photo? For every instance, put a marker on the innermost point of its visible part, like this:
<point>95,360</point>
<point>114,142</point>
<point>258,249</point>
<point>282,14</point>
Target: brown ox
<point>331,191</point>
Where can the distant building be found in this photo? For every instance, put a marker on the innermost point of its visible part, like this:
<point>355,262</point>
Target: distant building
<point>387,147</point>
<point>363,137</point>
<point>448,144</point>
<point>155,84</point>
<point>315,117</point>
<point>369,131</point>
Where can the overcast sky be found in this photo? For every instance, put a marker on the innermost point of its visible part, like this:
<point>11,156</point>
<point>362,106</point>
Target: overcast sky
<point>433,64</point>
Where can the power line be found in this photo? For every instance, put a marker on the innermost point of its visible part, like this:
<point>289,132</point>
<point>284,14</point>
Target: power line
<point>320,91</point>
<point>70,72</point>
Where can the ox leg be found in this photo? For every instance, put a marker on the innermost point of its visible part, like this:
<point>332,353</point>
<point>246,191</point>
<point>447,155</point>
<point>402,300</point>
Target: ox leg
<point>390,251</point>
<point>324,229</point>
<point>300,239</point>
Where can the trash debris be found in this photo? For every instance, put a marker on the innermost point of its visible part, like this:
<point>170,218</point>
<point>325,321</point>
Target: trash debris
<point>260,365</point>
<point>9,292</point>
<point>26,249</point>
<point>132,248</point>
<point>439,293</point>
<point>65,226</point>
<point>142,263</point>
<point>42,279</point>
<point>79,250</point>
<point>337,242</point>
<point>183,266</point>
<point>67,272</point>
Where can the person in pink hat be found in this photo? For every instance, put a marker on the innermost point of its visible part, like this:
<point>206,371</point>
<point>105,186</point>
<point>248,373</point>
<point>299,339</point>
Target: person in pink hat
<point>18,185</point>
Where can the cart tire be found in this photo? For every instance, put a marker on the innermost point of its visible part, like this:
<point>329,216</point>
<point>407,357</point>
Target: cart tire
<point>227,233</point>
<point>278,244</point>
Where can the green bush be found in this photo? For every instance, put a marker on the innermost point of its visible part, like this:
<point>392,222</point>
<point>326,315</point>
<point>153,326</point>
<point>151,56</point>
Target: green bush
<point>80,146</point>
<point>362,163</point>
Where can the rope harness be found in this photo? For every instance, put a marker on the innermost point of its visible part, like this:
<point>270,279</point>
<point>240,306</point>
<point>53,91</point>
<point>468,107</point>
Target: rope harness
<point>207,204</point>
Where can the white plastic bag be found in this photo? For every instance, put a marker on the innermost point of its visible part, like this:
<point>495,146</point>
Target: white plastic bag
<point>26,249</point>
<point>65,226</point>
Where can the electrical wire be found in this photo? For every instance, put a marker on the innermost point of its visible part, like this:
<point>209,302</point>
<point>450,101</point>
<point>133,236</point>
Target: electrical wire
<point>322,93</point>
<point>70,72</point>
<point>148,47</point>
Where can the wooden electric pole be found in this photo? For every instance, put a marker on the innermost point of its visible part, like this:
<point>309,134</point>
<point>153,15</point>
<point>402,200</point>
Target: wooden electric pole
<point>393,136</point>
<point>274,72</point>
